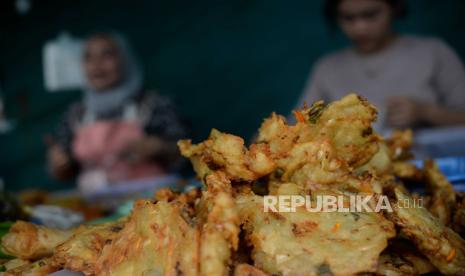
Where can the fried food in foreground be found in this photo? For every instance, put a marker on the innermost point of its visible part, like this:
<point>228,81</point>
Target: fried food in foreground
<point>307,243</point>
<point>165,238</point>
<point>394,263</point>
<point>223,229</point>
<point>399,144</point>
<point>379,164</point>
<point>248,270</point>
<point>442,246</point>
<point>81,251</point>
<point>407,171</point>
<point>318,148</point>
<point>11,264</point>
<point>442,193</point>
<point>347,124</point>
<point>226,151</point>
<point>325,145</point>
<point>41,267</point>
<point>401,258</point>
<point>157,240</point>
<point>31,242</point>
<point>219,223</point>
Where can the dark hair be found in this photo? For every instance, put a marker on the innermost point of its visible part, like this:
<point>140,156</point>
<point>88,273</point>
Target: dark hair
<point>331,6</point>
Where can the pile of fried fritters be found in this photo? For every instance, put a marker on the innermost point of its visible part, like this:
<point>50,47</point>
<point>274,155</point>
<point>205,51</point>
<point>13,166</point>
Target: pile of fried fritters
<point>223,229</point>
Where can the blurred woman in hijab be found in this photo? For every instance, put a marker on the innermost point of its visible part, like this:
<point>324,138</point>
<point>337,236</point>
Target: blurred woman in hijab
<point>415,82</point>
<point>119,132</point>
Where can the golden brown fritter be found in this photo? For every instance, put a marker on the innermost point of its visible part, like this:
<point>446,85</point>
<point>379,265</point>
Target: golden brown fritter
<point>41,267</point>
<point>401,258</point>
<point>223,229</point>
<point>156,240</point>
<point>227,152</point>
<point>407,171</point>
<point>14,263</point>
<point>344,125</point>
<point>442,193</point>
<point>31,242</point>
<point>81,251</point>
<point>307,243</point>
<point>164,237</point>
<point>248,270</point>
<point>442,246</point>
<point>319,149</point>
<point>219,224</point>
<point>400,144</point>
<point>325,145</point>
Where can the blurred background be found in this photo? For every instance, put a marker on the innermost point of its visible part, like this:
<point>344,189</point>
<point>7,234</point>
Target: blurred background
<point>225,64</point>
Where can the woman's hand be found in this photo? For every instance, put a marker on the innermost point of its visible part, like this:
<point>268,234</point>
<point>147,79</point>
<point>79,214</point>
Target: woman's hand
<point>403,112</point>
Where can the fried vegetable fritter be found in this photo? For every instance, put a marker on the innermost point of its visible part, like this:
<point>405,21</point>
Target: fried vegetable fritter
<point>248,270</point>
<point>325,150</point>
<point>400,144</point>
<point>31,242</point>
<point>81,251</point>
<point>164,238</point>
<point>14,263</point>
<point>223,229</point>
<point>441,245</point>
<point>219,224</point>
<point>443,199</point>
<point>401,258</point>
<point>41,267</point>
<point>156,240</point>
<point>226,151</point>
<point>305,243</point>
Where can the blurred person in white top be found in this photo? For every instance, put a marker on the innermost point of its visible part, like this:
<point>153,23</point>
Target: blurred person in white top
<point>416,82</point>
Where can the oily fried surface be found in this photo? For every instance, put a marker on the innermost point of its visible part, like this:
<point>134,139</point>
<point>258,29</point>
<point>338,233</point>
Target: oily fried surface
<point>31,242</point>
<point>399,150</point>
<point>401,258</point>
<point>391,263</point>
<point>443,199</point>
<point>41,267</point>
<point>399,144</point>
<point>81,251</point>
<point>228,153</point>
<point>166,194</point>
<point>219,222</point>
<point>308,243</point>
<point>343,125</point>
<point>248,270</point>
<point>347,124</point>
<point>189,198</point>
<point>223,229</point>
<point>320,149</point>
<point>442,246</point>
<point>380,163</point>
<point>156,240</point>
<point>408,171</point>
<point>165,238</point>
<point>14,263</point>
<point>325,144</point>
